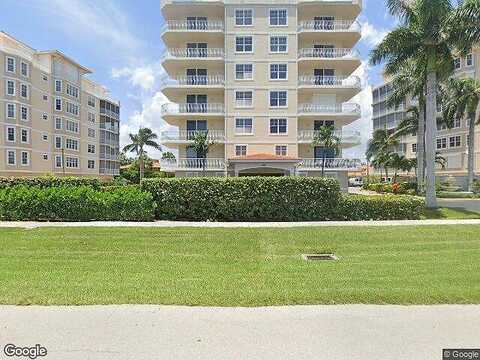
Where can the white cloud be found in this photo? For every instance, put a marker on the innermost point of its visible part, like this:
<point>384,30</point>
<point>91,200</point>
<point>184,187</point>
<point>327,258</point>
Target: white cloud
<point>371,35</point>
<point>144,77</point>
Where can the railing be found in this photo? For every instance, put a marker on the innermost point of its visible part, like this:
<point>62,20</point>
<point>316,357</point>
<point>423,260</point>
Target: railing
<point>328,53</point>
<point>346,136</point>
<point>192,164</point>
<point>193,25</point>
<point>109,113</point>
<point>105,171</point>
<point>189,135</point>
<point>168,2</point>
<point>346,108</point>
<point>195,53</point>
<point>197,80</point>
<point>329,25</point>
<point>330,81</point>
<point>104,126</point>
<point>192,108</point>
<point>330,164</point>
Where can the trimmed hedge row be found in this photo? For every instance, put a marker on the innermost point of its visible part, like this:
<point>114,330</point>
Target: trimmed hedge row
<point>244,198</point>
<point>49,181</point>
<point>70,203</point>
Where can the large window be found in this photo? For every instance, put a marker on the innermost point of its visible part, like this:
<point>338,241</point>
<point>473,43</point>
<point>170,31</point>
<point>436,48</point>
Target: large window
<point>24,135</point>
<point>58,85</point>
<point>91,164</point>
<point>10,87</point>
<point>278,17</point>
<point>72,90</point>
<point>469,60</point>
<point>91,149</point>
<point>58,123</point>
<point>243,17</point>
<point>72,126</point>
<point>24,91</point>
<point>455,141</point>
<point>11,111</point>
<point>278,44</point>
<point>243,72</point>
<point>278,71</point>
<point>24,113</point>
<point>71,162</point>
<point>441,143</point>
<point>244,126</point>
<point>25,158</point>
<point>278,98</point>
<point>11,134</point>
<point>58,161</point>
<point>240,150</point>
<point>278,126</point>
<point>58,142</point>
<point>71,144</point>
<point>244,44</point>
<point>58,104</point>
<point>243,98</point>
<point>72,108</point>
<point>11,157</point>
<point>11,65</point>
<point>24,69</point>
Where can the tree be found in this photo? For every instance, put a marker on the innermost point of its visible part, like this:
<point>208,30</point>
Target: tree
<point>399,162</point>
<point>168,156</point>
<point>326,138</point>
<point>202,145</point>
<point>145,137</point>
<point>461,100</point>
<point>379,149</point>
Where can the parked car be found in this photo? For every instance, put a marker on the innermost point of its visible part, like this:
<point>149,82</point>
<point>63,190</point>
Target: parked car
<point>355,182</point>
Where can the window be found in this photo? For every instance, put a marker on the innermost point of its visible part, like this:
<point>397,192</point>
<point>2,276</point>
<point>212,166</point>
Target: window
<point>240,150</point>
<point>91,133</point>
<point>244,44</point>
<point>25,158</point>
<point>11,65</point>
<point>11,157</point>
<point>45,137</point>
<point>243,71</point>
<point>10,88</point>
<point>24,91</point>
<point>441,143</point>
<point>45,116</point>
<point>58,123</point>
<point>91,164</point>
<point>441,125</point>
<point>71,126</point>
<point>244,126</point>
<point>11,134</point>
<point>278,126</point>
<point>71,144</point>
<point>457,64</point>
<point>24,113</point>
<point>24,135</point>
<point>24,69</point>
<point>45,97</point>
<point>455,141</point>
<point>58,161</point>
<point>58,104</point>
<point>457,123</point>
<point>71,162</point>
<point>281,150</point>
<point>278,17</point>
<point>11,111</point>
<point>278,71</point>
<point>243,99</point>
<point>72,108</point>
<point>469,60</point>
<point>72,91</point>
<point>278,44</point>
<point>91,117</point>
<point>91,101</point>
<point>58,86</point>
<point>414,148</point>
<point>243,17</point>
<point>45,157</point>
<point>278,98</point>
<point>91,149</point>
<point>58,142</point>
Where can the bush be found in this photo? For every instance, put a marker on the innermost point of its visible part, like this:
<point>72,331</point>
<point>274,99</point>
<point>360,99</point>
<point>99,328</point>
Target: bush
<point>244,198</point>
<point>49,181</point>
<point>70,203</point>
<point>374,207</point>
<point>404,188</point>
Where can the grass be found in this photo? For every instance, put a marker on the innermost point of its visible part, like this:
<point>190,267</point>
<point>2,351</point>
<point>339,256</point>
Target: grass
<point>240,267</point>
<point>450,213</point>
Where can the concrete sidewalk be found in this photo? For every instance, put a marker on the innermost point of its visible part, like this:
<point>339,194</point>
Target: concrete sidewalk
<point>169,224</point>
<point>303,332</point>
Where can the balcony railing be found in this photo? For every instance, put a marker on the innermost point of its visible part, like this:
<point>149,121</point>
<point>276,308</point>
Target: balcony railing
<point>327,53</point>
<point>109,113</point>
<point>346,108</point>
<point>192,108</point>
<point>330,164</point>
<point>193,25</point>
<point>192,164</point>
<point>330,81</point>
<point>346,136</point>
<point>198,80</point>
<point>181,53</point>
<point>189,135</point>
<point>329,25</point>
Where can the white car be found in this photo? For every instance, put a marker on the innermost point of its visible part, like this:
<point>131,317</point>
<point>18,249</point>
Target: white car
<point>355,182</point>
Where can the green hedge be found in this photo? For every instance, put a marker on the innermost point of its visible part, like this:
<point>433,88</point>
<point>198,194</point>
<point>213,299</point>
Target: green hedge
<point>244,198</point>
<point>403,188</point>
<point>380,207</point>
<point>48,181</point>
<point>70,203</point>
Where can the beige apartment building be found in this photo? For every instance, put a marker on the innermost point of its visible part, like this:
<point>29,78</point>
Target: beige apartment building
<point>452,143</point>
<point>260,77</point>
<point>54,121</point>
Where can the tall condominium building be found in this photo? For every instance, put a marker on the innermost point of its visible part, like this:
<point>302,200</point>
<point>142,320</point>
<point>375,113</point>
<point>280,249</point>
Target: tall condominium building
<point>260,77</point>
<point>452,143</point>
<point>53,119</point>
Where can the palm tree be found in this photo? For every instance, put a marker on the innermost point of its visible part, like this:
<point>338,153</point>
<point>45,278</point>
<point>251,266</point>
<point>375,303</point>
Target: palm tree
<point>326,138</point>
<point>379,149</point>
<point>462,98</point>
<point>202,145</point>
<point>145,137</point>
<point>167,155</point>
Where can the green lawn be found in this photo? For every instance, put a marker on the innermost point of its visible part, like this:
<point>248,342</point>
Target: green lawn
<point>450,213</point>
<point>247,267</point>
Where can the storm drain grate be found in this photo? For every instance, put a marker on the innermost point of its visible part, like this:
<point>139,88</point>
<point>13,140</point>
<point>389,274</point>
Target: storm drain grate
<point>319,257</point>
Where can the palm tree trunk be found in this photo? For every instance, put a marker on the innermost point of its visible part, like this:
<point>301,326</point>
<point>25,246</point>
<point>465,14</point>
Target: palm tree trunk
<point>141,165</point>
<point>430,139</point>
<point>386,174</point>
<point>471,151</point>
<point>323,164</point>
<point>421,147</point>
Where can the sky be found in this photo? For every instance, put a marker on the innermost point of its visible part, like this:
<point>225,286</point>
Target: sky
<point>119,40</point>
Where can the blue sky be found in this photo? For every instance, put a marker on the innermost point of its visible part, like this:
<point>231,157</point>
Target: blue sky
<point>119,40</point>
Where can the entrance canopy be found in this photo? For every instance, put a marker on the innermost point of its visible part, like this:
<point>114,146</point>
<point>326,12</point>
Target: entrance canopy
<point>263,164</point>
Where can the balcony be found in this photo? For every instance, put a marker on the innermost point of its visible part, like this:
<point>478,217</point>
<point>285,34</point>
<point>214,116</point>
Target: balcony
<point>193,26</point>
<point>329,81</point>
<point>347,137</point>
<point>330,164</point>
<point>109,113</point>
<point>344,60</point>
<point>198,54</point>
<point>175,87</point>
<point>192,109</point>
<point>345,109</point>
<point>328,53</point>
<point>329,26</point>
<point>192,164</point>
<point>187,136</point>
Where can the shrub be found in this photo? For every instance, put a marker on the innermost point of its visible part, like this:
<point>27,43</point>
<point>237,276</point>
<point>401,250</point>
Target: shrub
<point>395,188</point>
<point>244,198</point>
<point>70,203</point>
<point>49,181</point>
<point>375,207</point>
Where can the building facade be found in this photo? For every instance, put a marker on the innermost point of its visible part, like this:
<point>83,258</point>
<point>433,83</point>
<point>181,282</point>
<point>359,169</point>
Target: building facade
<point>452,144</point>
<point>260,78</point>
<point>53,119</point>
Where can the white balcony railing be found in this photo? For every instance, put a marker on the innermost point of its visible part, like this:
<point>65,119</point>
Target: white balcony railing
<point>192,164</point>
<point>193,25</point>
<point>346,136</point>
<point>328,53</point>
<point>330,81</point>
<point>192,108</point>
<point>346,108</point>
<point>198,80</point>
<point>188,135</point>
<point>180,53</point>
<point>329,25</point>
<point>330,164</point>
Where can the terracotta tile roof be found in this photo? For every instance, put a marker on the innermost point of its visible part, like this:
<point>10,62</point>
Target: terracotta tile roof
<point>264,157</point>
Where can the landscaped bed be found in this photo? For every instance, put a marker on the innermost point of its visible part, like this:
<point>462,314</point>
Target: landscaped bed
<point>240,267</point>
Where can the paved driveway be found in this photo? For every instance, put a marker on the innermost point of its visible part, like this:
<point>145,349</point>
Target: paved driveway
<point>307,332</point>
<point>467,204</point>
